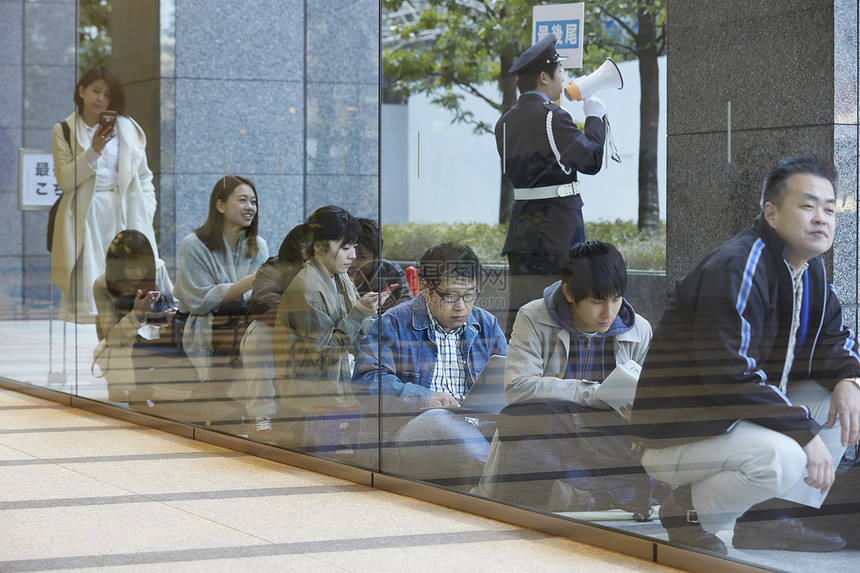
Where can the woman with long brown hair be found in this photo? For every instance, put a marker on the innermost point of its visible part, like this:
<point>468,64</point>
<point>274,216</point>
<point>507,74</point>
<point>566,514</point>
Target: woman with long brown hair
<point>107,188</point>
<point>217,265</point>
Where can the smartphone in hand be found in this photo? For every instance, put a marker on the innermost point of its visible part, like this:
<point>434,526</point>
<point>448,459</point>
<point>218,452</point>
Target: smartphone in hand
<point>158,306</point>
<point>107,118</point>
<point>390,288</point>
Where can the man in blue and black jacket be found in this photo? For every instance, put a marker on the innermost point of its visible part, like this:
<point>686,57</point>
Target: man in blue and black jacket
<point>749,391</point>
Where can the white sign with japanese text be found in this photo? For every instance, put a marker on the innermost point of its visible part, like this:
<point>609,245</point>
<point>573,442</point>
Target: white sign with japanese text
<point>565,21</point>
<point>37,185</point>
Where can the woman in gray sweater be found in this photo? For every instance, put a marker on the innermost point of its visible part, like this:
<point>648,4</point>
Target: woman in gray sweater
<point>217,265</point>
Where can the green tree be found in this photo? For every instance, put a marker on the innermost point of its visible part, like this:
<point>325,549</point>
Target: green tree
<point>94,34</point>
<point>467,45</point>
<point>638,31</point>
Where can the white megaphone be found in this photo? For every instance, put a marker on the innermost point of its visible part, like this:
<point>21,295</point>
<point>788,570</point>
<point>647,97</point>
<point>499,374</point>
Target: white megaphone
<point>607,76</point>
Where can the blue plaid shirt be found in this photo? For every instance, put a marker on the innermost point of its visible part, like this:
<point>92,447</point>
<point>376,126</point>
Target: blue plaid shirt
<point>449,374</point>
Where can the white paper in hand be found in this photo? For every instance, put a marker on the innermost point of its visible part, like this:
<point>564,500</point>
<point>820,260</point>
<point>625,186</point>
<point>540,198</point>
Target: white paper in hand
<point>619,388</point>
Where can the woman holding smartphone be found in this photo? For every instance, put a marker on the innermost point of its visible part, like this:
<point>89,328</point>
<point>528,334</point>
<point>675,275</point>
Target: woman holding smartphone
<point>217,265</point>
<point>134,301</point>
<point>320,319</point>
<point>100,164</point>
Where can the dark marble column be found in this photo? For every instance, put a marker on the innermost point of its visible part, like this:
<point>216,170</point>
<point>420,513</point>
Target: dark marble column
<point>788,70</point>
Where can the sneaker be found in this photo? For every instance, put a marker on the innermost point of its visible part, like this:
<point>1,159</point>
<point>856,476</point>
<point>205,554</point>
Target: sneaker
<point>261,429</point>
<point>564,497</point>
<point>262,424</point>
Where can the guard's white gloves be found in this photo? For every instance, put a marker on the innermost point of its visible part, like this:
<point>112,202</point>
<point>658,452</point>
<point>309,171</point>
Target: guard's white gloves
<point>593,107</point>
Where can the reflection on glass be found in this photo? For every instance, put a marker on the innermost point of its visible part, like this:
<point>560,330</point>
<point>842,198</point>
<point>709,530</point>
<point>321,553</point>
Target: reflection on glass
<point>748,364</point>
<point>320,319</point>
<point>100,164</point>
<point>430,352</point>
<point>557,445</point>
<point>135,311</point>
<point>217,265</point>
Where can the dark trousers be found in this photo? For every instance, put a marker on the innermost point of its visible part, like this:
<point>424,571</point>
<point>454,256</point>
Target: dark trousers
<point>549,446</point>
<point>528,275</point>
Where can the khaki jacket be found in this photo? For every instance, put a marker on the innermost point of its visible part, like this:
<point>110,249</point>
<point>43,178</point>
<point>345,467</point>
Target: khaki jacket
<point>316,332</point>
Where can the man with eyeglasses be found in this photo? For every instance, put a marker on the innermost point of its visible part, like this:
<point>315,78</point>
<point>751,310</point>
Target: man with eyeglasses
<point>427,353</point>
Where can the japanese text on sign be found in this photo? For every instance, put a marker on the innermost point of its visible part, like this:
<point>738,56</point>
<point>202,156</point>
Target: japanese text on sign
<point>565,22</point>
<point>37,184</point>
<point>565,31</point>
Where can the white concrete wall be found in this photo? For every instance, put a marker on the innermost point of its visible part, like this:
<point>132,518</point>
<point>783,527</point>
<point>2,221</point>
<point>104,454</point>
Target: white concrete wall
<point>454,174</point>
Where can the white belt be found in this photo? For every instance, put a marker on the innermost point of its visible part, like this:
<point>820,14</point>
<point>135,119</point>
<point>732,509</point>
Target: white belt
<point>547,192</point>
<point>112,188</point>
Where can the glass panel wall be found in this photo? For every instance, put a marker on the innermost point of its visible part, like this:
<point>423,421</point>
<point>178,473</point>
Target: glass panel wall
<point>325,225</point>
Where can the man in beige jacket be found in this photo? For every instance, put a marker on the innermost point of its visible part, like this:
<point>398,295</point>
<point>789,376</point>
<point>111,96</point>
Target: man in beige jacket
<point>557,437</point>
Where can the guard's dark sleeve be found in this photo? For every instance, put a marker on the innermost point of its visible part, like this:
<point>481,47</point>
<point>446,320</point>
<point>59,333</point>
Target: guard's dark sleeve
<point>578,150</point>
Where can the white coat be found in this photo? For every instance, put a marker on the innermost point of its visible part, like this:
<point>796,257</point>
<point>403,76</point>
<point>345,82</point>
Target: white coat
<point>77,179</point>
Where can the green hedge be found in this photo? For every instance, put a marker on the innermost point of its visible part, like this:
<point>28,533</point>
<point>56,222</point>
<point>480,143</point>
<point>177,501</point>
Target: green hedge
<point>408,242</point>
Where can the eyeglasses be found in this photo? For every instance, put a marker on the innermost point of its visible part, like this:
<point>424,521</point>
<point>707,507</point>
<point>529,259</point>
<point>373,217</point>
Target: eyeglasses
<point>449,298</point>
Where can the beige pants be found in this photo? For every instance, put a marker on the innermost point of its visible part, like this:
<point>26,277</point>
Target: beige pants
<point>745,466</point>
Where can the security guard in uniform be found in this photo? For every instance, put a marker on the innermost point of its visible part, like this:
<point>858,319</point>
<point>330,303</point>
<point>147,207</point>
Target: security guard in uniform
<point>542,150</point>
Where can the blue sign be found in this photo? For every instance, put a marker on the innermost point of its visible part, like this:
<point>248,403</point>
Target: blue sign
<point>566,31</point>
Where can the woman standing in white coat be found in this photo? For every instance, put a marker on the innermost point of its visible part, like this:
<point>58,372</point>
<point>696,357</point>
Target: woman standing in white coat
<point>107,188</point>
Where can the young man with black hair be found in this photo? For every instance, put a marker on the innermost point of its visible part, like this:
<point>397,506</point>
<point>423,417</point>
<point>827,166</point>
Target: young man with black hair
<point>556,432</point>
<point>750,392</point>
<point>371,273</point>
<point>430,351</point>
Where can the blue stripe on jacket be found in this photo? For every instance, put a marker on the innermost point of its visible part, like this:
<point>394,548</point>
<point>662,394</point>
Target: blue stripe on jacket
<point>741,305</point>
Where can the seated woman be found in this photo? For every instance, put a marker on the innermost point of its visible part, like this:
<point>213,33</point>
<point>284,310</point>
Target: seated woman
<point>320,320</point>
<point>217,265</point>
<point>125,296</point>
<point>271,281</point>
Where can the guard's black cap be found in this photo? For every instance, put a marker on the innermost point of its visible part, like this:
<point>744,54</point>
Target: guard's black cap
<point>538,56</point>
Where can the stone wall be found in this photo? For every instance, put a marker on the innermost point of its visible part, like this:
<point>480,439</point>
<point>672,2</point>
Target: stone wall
<point>789,69</point>
<point>37,67</point>
<point>284,92</point>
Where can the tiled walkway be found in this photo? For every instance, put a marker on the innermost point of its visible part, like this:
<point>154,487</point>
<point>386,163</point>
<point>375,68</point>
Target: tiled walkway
<point>82,491</point>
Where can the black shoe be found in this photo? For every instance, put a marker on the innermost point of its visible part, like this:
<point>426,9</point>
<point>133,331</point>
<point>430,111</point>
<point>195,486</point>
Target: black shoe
<point>682,524</point>
<point>785,534</point>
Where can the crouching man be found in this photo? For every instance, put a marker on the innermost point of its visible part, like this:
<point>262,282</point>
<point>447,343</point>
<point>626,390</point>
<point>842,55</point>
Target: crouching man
<point>749,391</point>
